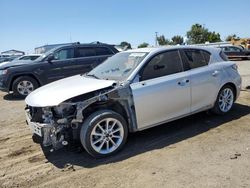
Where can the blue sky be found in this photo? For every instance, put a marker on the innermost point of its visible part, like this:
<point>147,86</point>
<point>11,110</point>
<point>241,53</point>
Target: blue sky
<point>26,24</point>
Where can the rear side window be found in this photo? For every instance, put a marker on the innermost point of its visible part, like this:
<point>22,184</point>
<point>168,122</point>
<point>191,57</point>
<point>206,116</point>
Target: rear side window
<point>103,51</point>
<point>196,58</point>
<point>85,52</point>
<point>162,65</point>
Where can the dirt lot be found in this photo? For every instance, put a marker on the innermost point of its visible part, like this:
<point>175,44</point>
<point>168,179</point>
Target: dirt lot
<point>203,150</point>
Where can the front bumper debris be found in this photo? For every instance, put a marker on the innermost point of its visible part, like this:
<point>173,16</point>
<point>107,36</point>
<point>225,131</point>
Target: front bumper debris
<point>46,131</point>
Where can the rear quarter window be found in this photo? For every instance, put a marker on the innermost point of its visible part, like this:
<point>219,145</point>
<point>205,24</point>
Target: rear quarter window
<point>223,56</point>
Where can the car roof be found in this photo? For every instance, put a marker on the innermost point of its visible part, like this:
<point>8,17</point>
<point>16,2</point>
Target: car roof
<point>32,55</point>
<point>230,46</point>
<point>90,44</point>
<point>159,49</point>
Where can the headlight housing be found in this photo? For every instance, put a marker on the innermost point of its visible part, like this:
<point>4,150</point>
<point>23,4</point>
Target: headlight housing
<point>2,72</point>
<point>63,110</point>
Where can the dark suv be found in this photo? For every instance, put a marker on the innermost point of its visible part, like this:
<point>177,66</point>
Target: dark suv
<point>56,64</point>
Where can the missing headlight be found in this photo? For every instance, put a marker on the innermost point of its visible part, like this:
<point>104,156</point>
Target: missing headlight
<point>63,110</point>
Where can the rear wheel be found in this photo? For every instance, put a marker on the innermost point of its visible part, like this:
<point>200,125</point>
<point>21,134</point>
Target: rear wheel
<point>225,100</point>
<point>103,133</point>
<point>24,85</point>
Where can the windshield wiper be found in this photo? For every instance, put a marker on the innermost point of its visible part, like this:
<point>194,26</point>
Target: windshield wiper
<point>92,75</point>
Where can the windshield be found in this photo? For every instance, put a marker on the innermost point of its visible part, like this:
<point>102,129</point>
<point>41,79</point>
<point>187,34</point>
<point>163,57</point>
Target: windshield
<point>119,66</point>
<point>16,59</point>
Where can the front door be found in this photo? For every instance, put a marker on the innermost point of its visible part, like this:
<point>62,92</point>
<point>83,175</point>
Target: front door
<point>62,66</point>
<point>163,92</point>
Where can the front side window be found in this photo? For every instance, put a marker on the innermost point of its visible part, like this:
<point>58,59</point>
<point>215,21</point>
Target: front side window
<point>162,65</point>
<point>195,58</point>
<point>64,54</point>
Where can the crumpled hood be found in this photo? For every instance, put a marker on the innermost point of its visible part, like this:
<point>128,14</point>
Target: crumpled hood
<point>59,91</point>
<point>8,64</point>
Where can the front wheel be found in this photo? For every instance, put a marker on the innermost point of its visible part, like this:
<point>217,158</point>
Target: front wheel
<point>103,133</point>
<point>24,85</point>
<point>225,100</point>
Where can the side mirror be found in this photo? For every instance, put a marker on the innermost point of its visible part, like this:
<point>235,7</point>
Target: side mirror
<point>50,58</point>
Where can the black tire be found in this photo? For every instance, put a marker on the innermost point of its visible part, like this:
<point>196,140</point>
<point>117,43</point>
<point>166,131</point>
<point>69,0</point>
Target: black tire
<point>216,109</point>
<point>21,79</point>
<point>91,122</point>
<point>37,139</point>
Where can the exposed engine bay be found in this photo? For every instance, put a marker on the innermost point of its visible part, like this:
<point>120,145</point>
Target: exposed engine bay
<point>60,125</point>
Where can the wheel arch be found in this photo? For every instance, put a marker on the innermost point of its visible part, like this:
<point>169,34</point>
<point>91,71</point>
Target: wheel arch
<point>115,106</point>
<point>231,84</point>
<point>17,76</point>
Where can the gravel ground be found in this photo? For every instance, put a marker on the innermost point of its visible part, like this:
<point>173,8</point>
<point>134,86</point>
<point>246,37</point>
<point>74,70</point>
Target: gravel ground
<point>202,150</point>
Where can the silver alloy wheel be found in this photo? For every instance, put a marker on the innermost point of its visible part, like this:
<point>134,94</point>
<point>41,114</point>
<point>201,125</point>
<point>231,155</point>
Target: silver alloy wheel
<point>25,87</point>
<point>226,99</point>
<point>107,135</point>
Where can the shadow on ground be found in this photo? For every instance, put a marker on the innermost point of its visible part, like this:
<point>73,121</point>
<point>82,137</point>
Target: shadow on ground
<point>11,97</point>
<point>155,138</point>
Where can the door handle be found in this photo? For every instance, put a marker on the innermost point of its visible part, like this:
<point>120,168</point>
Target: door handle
<point>183,82</point>
<point>215,73</point>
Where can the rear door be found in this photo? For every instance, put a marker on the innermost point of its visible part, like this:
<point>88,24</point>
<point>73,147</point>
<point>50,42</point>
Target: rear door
<point>163,92</point>
<point>85,59</point>
<point>103,53</point>
<point>204,78</point>
<point>88,57</point>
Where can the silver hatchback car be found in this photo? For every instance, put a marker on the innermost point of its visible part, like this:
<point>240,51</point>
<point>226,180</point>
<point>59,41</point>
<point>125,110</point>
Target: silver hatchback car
<point>132,91</point>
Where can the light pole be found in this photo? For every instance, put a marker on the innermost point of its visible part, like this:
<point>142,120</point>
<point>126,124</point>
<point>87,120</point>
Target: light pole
<point>156,36</point>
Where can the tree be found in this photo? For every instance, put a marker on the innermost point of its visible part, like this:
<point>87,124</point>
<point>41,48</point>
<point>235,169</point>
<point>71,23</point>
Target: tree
<point>199,34</point>
<point>143,45</point>
<point>162,40</point>
<point>214,37</point>
<point>125,45</point>
<point>232,37</point>
<point>177,39</point>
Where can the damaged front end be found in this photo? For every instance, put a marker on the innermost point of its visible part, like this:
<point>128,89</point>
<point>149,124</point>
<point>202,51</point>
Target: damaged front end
<point>60,125</point>
<point>53,124</point>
